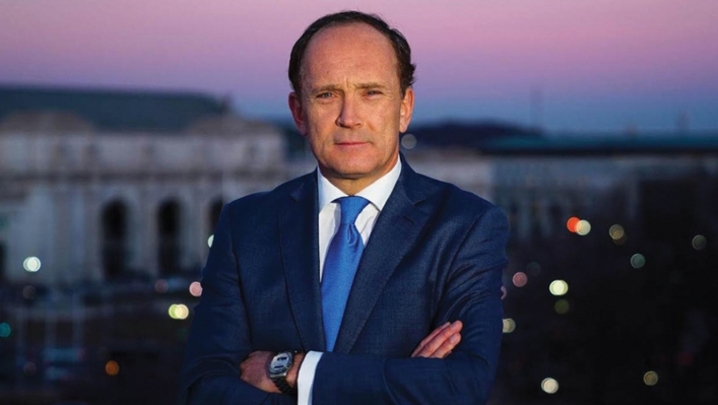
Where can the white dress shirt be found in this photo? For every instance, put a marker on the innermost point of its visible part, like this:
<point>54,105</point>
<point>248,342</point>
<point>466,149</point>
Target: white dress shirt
<point>329,217</point>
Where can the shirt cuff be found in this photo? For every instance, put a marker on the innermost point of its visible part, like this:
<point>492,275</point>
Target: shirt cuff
<point>305,379</point>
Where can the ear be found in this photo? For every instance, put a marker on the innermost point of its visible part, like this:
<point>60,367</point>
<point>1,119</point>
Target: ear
<point>406,110</point>
<point>295,106</point>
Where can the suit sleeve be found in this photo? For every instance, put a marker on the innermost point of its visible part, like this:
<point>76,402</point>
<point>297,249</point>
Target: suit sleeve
<point>472,294</point>
<point>219,337</point>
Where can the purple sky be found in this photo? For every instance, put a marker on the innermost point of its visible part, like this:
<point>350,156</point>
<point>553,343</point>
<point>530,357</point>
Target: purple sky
<point>598,65</point>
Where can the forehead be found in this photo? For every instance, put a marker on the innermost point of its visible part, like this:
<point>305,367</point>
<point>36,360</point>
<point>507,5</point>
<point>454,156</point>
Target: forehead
<point>357,48</point>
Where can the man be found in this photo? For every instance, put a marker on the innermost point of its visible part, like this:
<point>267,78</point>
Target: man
<point>397,302</point>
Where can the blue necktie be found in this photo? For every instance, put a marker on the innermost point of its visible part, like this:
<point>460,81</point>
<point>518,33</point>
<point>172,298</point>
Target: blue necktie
<point>340,266</point>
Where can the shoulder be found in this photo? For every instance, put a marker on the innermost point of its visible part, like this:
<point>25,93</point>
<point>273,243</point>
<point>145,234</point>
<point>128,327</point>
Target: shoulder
<point>466,223</point>
<point>452,200</point>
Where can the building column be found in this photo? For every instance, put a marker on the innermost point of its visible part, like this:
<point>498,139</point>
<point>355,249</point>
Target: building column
<point>93,233</point>
<point>149,231</point>
<point>62,246</point>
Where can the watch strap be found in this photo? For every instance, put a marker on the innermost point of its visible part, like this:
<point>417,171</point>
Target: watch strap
<point>280,379</point>
<point>283,386</point>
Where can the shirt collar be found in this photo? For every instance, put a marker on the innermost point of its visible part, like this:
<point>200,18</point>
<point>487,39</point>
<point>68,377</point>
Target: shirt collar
<point>377,193</point>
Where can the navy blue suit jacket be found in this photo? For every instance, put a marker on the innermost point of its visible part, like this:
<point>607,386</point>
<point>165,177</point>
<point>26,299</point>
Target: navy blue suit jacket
<point>436,254</point>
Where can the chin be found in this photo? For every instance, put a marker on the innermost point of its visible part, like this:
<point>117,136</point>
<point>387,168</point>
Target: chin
<point>353,174</point>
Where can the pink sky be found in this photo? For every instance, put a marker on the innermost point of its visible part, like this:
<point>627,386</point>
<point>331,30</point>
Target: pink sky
<point>599,64</point>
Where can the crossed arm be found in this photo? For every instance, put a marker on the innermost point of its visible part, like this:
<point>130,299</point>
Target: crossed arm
<point>438,344</point>
<point>438,373</point>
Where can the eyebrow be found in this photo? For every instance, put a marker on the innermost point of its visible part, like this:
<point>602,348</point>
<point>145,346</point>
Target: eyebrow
<point>322,89</point>
<point>371,85</point>
<point>334,87</point>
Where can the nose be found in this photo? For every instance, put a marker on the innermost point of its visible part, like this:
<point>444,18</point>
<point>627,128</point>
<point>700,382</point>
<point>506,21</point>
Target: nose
<point>349,114</point>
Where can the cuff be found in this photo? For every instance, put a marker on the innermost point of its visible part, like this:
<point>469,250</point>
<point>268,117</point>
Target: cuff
<point>305,379</point>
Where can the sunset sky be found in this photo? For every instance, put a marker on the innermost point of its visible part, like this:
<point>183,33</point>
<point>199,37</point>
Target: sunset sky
<point>589,65</point>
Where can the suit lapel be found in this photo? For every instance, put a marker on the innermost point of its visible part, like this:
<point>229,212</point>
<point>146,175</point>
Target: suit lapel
<point>298,235</point>
<point>395,232</point>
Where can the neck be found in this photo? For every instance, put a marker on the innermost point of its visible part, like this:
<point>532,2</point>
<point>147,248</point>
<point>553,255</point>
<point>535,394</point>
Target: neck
<point>352,186</point>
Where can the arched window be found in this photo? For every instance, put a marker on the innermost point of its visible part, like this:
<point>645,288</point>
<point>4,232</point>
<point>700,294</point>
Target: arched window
<point>114,239</point>
<point>169,238</point>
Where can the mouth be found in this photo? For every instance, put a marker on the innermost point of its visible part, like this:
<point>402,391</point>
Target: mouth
<point>350,144</point>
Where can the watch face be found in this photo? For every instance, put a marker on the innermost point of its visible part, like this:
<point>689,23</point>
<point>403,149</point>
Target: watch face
<point>280,363</point>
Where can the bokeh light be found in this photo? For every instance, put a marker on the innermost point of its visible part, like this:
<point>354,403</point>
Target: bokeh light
<point>562,306</point>
<point>210,240</point>
<point>195,289</point>
<point>558,288</point>
<point>161,286</point>
<point>29,292</point>
<point>29,368</point>
<point>583,227</point>
<point>178,311</point>
<point>520,279</point>
<point>638,261</point>
<point>112,368</point>
<point>699,242</point>
<point>650,378</point>
<point>509,325</point>
<point>32,264</point>
<point>533,269</point>
<point>549,385</point>
<point>572,223</point>
<point>5,330</point>
<point>618,234</point>
<point>408,141</point>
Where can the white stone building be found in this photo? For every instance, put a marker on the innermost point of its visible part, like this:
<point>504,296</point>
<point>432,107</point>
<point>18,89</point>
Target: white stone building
<point>92,199</point>
<point>104,184</point>
<point>541,181</point>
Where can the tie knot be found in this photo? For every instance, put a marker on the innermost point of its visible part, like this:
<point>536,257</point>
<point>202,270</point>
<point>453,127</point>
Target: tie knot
<point>351,207</point>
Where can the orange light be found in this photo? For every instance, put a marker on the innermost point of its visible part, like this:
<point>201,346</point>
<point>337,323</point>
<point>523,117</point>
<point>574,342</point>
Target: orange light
<point>572,224</point>
<point>112,368</point>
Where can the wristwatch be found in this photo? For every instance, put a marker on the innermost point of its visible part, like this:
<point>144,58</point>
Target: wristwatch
<point>278,369</point>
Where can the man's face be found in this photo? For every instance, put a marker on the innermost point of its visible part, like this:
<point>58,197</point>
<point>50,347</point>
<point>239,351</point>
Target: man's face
<point>351,108</point>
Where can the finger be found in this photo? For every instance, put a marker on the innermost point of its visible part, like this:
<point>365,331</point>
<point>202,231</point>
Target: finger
<point>246,364</point>
<point>431,336</point>
<point>437,341</point>
<point>446,347</point>
<point>428,338</point>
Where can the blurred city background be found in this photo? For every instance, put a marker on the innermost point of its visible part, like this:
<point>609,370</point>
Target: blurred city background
<point>126,125</point>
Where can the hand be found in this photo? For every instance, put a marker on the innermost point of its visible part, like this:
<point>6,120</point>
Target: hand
<point>440,342</point>
<point>255,371</point>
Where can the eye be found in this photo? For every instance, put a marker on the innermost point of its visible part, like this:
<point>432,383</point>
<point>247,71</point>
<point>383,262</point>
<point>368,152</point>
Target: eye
<point>326,94</point>
<point>373,92</point>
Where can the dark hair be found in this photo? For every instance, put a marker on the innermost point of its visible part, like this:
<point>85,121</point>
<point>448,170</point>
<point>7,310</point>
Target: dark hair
<point>398,42</point>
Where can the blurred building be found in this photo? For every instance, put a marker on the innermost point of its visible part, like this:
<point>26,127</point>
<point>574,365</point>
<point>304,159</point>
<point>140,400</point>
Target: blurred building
<point>101,189</point>
<point>103,184</point>
<point>542,180</point>
<point>96,185</point>
<point>610,287</point>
